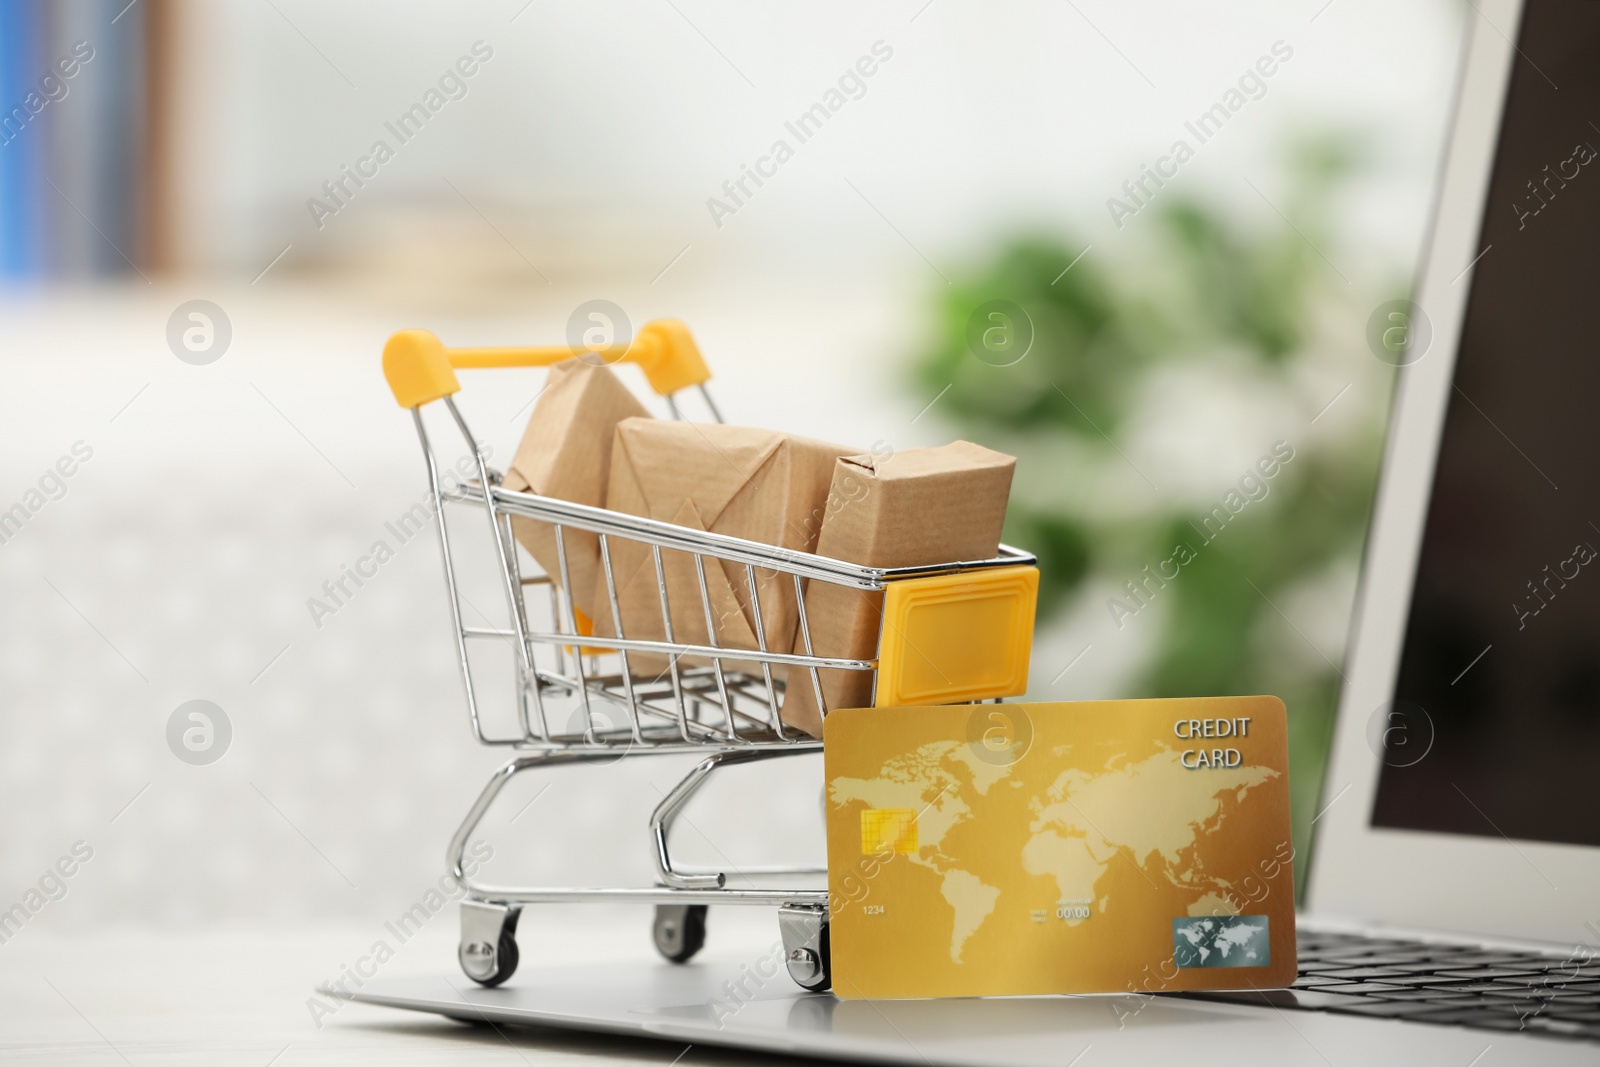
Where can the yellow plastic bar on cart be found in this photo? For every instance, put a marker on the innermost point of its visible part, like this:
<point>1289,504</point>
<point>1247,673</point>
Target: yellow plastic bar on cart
<point>585,629</point>
<point>420,369</point>
<point>957,637</point>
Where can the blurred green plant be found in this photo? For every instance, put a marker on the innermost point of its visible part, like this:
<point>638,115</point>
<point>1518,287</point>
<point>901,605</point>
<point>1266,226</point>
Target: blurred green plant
<point>1200,288</point>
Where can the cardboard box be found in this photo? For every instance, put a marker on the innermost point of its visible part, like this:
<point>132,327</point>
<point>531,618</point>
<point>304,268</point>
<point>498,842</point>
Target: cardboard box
<point>756,484</point>
<point>902,509</point>
<point>566,453</point>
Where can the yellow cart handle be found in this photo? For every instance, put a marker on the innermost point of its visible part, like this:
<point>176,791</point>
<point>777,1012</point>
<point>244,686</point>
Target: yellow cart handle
<point>420,369</point>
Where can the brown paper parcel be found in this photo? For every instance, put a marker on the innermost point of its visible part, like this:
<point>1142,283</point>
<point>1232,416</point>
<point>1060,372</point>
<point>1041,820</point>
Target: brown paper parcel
<point>756,484</point>
<point>566,453</point>
<point>905,509</point>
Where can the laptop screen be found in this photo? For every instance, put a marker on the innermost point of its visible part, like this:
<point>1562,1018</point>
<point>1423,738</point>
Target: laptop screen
<point>1494,729</point>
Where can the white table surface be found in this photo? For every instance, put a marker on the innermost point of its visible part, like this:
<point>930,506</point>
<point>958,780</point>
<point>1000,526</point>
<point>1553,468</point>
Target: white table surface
<point>240,996</point>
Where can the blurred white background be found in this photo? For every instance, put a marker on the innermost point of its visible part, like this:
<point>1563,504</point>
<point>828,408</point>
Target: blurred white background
<point>578,165</point>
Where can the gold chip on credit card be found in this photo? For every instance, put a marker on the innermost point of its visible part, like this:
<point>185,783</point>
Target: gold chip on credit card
<point>1096,847</point>
<point>888,830</point>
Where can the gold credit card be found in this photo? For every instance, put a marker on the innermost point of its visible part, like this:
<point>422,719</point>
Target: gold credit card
<point>1108,846</point>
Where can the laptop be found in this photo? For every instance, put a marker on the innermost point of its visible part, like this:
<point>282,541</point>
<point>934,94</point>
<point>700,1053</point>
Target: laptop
<point>1453,910</point>
<point>1463,793</point>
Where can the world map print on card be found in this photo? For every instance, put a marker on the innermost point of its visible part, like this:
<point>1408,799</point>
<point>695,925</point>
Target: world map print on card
<point>1093,847</point>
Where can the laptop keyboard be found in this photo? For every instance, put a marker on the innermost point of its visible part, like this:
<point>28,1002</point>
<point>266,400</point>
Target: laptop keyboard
<point>1447,985</point>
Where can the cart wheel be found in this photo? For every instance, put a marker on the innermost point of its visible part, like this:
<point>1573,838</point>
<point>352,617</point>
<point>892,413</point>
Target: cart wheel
<point>679,930</point>
<point>488,949</point>
<point>805,944</point>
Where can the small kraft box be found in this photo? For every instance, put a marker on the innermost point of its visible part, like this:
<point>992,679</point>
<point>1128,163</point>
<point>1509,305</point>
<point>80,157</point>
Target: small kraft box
<point>566,453</point>
<point>760,485</point>
<point>910,508</point>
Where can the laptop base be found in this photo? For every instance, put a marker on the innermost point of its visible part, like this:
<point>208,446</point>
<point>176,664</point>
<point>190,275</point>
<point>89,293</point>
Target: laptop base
<point>731,1003</point>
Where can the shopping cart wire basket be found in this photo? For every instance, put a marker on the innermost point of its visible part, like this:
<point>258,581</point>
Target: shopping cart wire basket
<point>958,631</point>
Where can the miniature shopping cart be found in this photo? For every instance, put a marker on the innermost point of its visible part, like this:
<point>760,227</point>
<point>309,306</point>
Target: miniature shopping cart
<point>577,700</point>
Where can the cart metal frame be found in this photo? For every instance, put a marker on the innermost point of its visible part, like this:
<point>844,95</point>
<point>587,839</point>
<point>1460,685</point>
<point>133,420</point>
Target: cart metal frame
<point>725,715</point>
